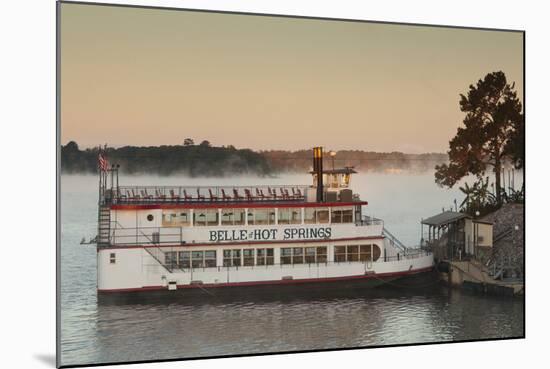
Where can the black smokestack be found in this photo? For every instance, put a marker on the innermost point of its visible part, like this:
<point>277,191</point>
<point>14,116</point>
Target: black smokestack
<point>318,169</point>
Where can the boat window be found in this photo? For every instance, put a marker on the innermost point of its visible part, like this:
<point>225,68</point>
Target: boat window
<point>170,259</point>
<point>197,259</point>
<point>375,252</point>
<point>112,258</point>
<point>310,255</point>
<point>340,253</point>
<point>248,257</point>
<point>298,255</point>
<point>184,259</point>
<point>315,215</point>
<point>290,215</point>
<point>233,216</point>
<point>352,253</point>
<point>301,255</point>
<point>286,255</point>
<point>321,254</point>
<point>269,257</point>
<point>264,257</point>
<point>203,217</point>
<point>260,256</point>
<point>239,216</point>
<point>309,215</point>
<point>210,259</point>
<point>227,216</point>
<point>341,215</point>
<point>295,216</point>
<point>365,252</point>
<point>345,179</point>
<point>226,258</point>
<point>236,257</point>
<point>176,218</point>
<point>355,253</point>
<point>322,215</point>
<point>261,216</point>
<point>232,258</point>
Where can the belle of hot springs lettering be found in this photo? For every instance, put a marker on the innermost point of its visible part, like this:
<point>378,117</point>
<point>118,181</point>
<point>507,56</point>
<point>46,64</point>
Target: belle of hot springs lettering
<point>270,234</point>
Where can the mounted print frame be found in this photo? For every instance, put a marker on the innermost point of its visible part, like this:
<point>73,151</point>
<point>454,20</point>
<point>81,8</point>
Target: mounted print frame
<point>235,184</point>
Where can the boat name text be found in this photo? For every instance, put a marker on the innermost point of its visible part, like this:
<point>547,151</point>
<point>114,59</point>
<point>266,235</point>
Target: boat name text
<point>270,234</point>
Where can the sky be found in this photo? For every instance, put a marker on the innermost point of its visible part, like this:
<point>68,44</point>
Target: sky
<point>148,77</point>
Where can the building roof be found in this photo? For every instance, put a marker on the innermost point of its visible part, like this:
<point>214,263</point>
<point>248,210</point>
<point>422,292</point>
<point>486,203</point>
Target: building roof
<point>444,218</point>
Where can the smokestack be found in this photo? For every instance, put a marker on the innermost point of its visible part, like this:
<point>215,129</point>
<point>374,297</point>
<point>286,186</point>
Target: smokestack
<point>318,169</point>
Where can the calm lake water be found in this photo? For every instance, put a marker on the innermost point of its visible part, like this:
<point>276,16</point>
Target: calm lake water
<point>97,333</point>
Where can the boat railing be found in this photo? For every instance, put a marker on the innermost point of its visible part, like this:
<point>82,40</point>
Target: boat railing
<point>368,220</point>
<point>202,194</point>
<point>153,236</point>
<point>409,253</point>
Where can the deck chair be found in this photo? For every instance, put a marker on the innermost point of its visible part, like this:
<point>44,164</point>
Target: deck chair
<point>248,194</point>
<point>174,196</point>
<point>272,193</point>
<point>212,196</point>
<point>187,197</point>
<point>199,196</point>
<point>260,194</point>
<point>160,195</point>
<point>225,197</point>
<point>236,195</point>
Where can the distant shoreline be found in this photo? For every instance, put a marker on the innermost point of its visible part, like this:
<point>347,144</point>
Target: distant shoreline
<point>204,160</point>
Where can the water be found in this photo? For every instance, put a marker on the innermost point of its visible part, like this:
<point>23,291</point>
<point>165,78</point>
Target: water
<point>93,333</point>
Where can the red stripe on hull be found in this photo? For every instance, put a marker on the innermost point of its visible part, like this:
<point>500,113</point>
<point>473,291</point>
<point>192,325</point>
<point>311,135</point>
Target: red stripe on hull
<point>244,243</point>
<point>273,282</point>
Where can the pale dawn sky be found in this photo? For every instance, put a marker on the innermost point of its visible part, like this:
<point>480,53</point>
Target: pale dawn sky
<point>132,76</point>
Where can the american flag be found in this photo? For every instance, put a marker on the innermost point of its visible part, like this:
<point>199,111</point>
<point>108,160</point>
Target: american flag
<point>102,162</point>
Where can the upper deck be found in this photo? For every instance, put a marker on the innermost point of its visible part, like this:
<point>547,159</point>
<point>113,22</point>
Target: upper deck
<point>196,195</point>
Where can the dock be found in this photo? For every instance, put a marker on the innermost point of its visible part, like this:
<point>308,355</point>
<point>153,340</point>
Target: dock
<point>473,276</point>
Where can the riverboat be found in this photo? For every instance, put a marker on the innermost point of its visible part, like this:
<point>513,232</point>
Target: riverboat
<point>208,239</point>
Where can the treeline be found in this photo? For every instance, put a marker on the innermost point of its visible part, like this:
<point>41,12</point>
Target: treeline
<point>206,160</point>
<point>192,160</point>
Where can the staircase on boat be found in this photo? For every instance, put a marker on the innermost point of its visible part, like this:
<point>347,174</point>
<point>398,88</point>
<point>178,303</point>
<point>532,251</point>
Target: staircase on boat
<point>104,226</point>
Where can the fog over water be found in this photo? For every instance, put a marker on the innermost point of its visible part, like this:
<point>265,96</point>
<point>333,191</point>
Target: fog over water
<point>93,333</point>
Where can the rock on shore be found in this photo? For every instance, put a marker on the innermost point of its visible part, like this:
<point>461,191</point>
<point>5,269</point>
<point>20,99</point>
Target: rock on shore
<point>508,241</point>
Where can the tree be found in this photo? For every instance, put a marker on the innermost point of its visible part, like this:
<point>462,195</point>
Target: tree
<point>492,124</point>
<point>71,147</point>
<point>188,142</point>
<point>205,143</point>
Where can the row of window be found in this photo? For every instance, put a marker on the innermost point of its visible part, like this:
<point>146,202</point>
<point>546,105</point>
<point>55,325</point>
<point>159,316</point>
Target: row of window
<point>248,257</point>
<point>303,255</point>
<point>356,253</point>
<point>188,259</point>
<point>260,216</point>
<point>266,256</point>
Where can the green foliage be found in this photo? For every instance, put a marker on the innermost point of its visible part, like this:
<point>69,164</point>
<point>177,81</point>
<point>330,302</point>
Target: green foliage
<point>478,197</point>
<point>492,133</point>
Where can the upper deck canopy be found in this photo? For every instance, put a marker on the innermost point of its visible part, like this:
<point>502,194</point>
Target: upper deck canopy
<point>444,218</point>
